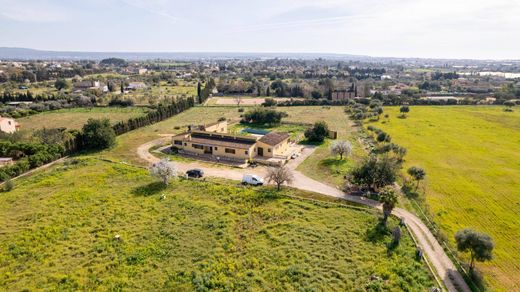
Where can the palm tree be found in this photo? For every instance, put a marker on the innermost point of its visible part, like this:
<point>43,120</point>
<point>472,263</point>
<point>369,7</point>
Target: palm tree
<point>418,174</point>
<point>388,197</point>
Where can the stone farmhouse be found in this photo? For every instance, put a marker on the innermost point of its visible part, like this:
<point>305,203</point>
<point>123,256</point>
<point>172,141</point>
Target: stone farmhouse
<point>214,141</point>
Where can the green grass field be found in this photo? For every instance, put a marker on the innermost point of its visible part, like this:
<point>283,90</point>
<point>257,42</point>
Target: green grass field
<point>77,117</point>
<point>321,165</point>
<point>472,159</point>
<point>59,226</point>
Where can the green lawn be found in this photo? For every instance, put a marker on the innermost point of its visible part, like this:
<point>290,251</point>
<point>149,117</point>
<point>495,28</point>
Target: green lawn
<point>321,165</point>
<point>59,226</point>
<point>472,159</point>
<point>75,118</point>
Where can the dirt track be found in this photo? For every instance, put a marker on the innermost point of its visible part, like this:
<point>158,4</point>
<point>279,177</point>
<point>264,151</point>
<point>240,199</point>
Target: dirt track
<point>432,249</point>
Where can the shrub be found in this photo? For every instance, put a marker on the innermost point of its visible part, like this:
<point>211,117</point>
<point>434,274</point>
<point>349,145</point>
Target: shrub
<point>98,134</point>
<point>8,185</point>
<point>318,132</point>
<point>260,115</point>
<point>269,102</point>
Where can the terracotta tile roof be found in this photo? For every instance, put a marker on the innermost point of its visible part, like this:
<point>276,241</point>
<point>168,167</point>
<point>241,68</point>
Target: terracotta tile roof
<point>274,138</point>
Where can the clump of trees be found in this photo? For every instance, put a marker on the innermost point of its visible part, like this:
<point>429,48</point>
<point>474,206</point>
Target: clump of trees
<point>318,132</point>
<point>164,170</point>
<point>61,84</point>
<point>479,245</point>
<point>98,134</point>
<point>279,176</point>
<point>341,148</point>
<point>269,102</point>
<point>263,116</point>
<point>27,156</point>
<point>376,172</point>
<point>113,62</point>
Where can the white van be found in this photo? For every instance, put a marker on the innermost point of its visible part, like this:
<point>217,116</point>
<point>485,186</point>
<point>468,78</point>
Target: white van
<point>251,179</point>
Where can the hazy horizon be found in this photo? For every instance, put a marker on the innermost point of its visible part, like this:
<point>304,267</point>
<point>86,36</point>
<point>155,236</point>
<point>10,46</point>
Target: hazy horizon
<point>401,29</point>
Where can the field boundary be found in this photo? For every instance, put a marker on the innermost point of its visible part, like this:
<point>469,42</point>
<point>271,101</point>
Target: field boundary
<point>446,247</point>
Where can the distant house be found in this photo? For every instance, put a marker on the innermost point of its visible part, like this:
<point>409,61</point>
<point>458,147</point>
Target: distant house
<point>87,84</point>
<point>135,85</point>
<point>345,94</point>
<point>5,161</point>
<point>90,84</point>
<point>8,125</point>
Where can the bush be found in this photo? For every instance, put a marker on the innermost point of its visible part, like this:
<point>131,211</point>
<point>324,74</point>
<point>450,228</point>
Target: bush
<point>98,134</point>
<point>263,116</point>
<point>8,185</point>
<point>269,102</point>
<point>375,172</point>
<point>318,132</point>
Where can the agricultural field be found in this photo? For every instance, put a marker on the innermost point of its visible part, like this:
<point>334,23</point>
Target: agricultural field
<point>472,160</point>
<point>154,94</point>
<point>75,118</point>
<point>95,225</point>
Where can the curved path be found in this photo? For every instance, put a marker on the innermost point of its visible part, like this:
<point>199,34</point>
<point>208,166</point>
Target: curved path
<point>436,255</point>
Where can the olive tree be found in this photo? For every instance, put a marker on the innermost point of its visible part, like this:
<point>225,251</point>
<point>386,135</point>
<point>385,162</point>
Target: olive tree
<point>164,170</point>
<point>376,172</point>
<point>279,176</point>
<point>341,148</point>
<point>479,245</point>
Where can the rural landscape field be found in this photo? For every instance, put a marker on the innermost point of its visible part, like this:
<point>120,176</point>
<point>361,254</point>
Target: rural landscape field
<point>472,159</point>
<point>76,118</point>
<point>59,231</point>
<point>338,145</point>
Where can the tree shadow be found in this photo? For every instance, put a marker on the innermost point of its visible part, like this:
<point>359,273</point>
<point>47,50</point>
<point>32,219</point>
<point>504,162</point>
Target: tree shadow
<point>377,233</point>
<point>149,189</point>
<point>333,162</point>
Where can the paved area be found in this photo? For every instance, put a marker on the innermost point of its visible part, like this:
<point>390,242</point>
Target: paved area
<point>432,249</point>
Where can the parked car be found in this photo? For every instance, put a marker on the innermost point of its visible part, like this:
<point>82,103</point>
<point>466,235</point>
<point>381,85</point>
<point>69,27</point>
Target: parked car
<point>195,173</point>
<point>251,179</point>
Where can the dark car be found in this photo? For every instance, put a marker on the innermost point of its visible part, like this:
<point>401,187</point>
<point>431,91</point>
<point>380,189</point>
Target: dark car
<point>196,173</point>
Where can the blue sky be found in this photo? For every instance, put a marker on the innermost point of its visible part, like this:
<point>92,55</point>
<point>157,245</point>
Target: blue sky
<point>401,28</point>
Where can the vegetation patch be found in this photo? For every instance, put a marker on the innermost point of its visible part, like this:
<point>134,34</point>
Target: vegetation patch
<point>93,225</point>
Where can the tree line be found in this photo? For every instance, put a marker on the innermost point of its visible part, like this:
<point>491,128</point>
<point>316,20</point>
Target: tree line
<point>95,135</point>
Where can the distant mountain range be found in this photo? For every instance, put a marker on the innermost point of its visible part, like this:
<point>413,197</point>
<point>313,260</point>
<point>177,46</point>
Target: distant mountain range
<point>8,53</point>
<point>32,54</point>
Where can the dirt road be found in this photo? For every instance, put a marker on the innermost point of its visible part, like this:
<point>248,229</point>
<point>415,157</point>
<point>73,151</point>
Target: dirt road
<point>432,249</point>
